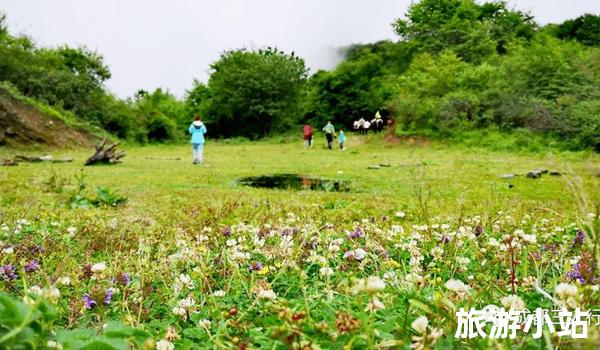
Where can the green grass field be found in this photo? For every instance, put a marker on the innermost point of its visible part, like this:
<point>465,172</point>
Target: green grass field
<point>446,179</point>
<point>210,263</point>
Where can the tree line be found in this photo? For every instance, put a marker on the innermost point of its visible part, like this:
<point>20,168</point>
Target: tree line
<point>457,65</point>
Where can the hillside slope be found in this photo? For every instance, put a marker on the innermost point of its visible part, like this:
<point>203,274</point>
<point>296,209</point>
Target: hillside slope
<point>25,122</point>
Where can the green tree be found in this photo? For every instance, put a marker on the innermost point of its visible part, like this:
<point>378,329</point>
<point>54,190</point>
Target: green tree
<point>473,31</point>
<point>196,100</point>
<point>255,94</point>
<point>160,115</point>
<point>585,29</point>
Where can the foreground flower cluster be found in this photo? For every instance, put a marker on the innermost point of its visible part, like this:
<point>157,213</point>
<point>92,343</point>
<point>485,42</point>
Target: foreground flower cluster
<point>294,282</point>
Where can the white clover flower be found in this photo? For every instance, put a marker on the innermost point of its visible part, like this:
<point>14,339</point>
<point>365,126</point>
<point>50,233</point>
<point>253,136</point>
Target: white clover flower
<point>513,302</point>
<point>179,311</point>
<point>420,324</point>
<point>374,305</point>
<point>8,250</point>
<point>51,293</point>
<point>186,281</point>
<point>187,303</point>
<point>390,276</point>
<point>231,242</point>
<point>204,323</point>
<point>400,214</point>
<point>518,232</point>
<point>35,290</point>
<point>333,248</point>
<point>457,287</point>
<point>64,280</point>
<point>463,261</point>
<point>529,238</point>
<point>397,229</point>
<point>218,293</point>
<point>371,284</point>
<point>164,345</point>
<point>359,254</point>
<point>259,242</point>
<point>437,252</point>
<point>201,238</point>
<point>287,242</point>
<point>241,256</point>
<point>71,230</point>
<point>266,294</point>
<point>326,271</point>
<point>565,291</point>
<point>98,268</point>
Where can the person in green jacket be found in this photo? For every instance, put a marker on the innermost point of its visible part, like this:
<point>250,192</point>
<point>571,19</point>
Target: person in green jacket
<point>329,134</point>
<point>197,129</point>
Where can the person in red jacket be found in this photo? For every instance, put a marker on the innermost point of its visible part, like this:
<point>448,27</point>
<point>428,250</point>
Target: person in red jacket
<point>307,135</point>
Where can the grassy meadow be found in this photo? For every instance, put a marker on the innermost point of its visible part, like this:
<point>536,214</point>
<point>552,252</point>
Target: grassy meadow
<point>195,260</point>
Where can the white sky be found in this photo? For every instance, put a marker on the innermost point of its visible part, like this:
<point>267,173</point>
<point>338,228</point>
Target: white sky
<point>167,43</point>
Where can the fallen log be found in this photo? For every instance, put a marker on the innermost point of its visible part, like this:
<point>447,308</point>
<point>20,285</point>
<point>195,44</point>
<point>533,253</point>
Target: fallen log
<point>105,155</point>
<point>47,158</point>
<point>9,162</point>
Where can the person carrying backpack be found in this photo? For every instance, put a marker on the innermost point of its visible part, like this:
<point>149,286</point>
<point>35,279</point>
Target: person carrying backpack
<point>329,134</point>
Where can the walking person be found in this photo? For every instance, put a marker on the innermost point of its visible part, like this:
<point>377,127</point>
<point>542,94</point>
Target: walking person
<point>329,134</point>
<point>307,135</point>
<point>197,129</point>
<point>342,140</point>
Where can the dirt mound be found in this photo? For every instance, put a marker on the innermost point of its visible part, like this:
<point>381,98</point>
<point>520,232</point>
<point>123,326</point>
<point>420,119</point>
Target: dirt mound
<point>391,137</point>
<point>24,125</point>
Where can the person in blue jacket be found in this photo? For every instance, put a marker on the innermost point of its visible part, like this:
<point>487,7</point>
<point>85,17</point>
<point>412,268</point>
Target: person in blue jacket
<point>197,129</point>
<point>342,140</point>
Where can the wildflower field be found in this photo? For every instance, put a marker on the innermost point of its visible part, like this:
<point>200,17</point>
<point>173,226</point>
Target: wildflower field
<point>159,253</point>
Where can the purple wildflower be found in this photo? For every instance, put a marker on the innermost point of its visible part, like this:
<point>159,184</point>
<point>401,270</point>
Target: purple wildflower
<point>8,272</point>
<point>125,279</point>
<point>37,249</point>
<point>227,231</point>
<point>444,239</point>
<point>122,278</point>
<point>88,302</point>
<point>32,266</point>
<point>356,234</point>
<point>255,266</point>
<point>579,238</point>
<point>577,274</point>
<point>478,231</point>
<point>550,247</point>
<point>108,296</point>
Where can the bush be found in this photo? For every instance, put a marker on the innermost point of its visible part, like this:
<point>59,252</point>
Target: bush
<point>160,128</point>
<point>580,125</point>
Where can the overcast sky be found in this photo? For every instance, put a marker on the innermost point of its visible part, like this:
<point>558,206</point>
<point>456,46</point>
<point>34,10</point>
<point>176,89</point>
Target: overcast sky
<point>167,43</point>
